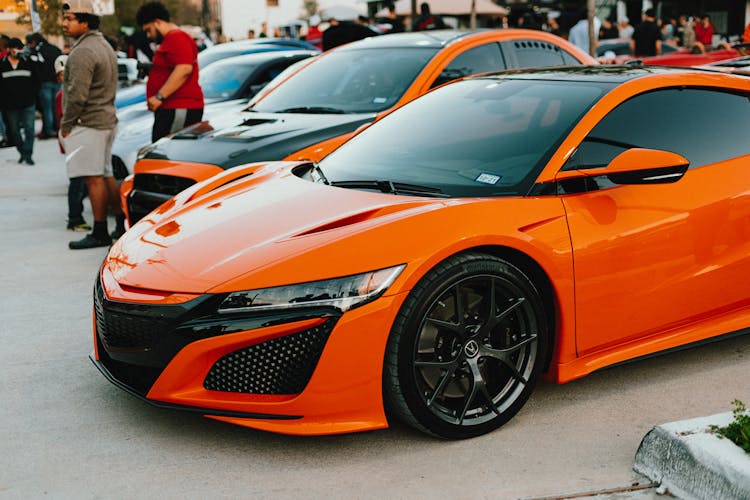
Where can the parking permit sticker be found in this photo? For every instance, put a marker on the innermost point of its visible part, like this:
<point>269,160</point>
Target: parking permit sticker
<point>379,100</point>
<point>488,178</point>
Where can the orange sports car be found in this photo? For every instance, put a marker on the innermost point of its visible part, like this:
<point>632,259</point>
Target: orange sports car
<point>434,266</point>
<point>322,104</point>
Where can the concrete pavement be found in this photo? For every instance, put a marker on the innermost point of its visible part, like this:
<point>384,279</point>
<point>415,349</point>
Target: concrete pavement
<point>67,432</point>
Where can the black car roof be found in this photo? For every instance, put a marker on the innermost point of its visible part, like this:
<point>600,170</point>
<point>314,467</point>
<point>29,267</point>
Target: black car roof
<point>263,57</point>
<point>601,73</point>
<point>433,39</point>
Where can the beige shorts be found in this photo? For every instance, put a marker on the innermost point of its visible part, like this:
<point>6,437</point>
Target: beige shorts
<point>88,152</point>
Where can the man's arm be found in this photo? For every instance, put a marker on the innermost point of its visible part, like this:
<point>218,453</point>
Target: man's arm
<point>658,47</point>
<point>177,77</point>
<point>80,72</point>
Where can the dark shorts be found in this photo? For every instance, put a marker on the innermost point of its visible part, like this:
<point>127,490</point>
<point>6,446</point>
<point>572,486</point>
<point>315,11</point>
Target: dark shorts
<point>169,121</point>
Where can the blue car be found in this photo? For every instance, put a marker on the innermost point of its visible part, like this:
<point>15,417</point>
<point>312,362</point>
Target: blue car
<point>137,93</point>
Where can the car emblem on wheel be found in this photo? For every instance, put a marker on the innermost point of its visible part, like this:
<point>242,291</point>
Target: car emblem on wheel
<point>471,348</point>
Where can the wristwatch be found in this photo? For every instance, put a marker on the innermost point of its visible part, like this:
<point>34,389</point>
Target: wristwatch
<point>159,96</point>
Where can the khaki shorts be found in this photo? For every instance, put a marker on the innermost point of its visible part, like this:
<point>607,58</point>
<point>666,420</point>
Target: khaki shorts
<point>88,152</point>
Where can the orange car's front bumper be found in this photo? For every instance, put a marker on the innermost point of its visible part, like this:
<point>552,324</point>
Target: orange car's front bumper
<point>343,394</point>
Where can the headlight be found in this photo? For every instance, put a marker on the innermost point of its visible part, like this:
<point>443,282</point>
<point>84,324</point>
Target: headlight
<point>341,293</point>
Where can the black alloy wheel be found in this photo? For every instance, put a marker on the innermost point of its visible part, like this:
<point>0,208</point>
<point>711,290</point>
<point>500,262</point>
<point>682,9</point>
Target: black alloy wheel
<point>467,347</point>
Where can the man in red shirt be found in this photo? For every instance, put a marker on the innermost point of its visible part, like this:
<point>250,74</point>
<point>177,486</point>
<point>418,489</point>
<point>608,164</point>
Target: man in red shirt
<point>704,31</point>
<point>172,90</point>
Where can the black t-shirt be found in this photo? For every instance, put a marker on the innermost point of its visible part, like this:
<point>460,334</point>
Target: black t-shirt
<point>645,35</point>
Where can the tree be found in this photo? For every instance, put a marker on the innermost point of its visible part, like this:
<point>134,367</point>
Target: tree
<point>49,15</point>
<point>593,36</point>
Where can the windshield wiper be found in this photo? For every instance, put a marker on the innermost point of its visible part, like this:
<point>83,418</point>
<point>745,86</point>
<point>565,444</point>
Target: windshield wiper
<point>313,109</point>
<point>318,175</point>
<point>392,188</point>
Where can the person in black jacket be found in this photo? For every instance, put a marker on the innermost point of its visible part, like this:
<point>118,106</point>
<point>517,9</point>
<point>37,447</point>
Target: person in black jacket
<point>19,84</point>
<point>44,54</point>
<point>427,20</point>
<point>342,32</point>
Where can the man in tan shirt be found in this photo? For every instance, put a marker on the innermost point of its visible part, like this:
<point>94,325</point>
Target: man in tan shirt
<point>88,124</point>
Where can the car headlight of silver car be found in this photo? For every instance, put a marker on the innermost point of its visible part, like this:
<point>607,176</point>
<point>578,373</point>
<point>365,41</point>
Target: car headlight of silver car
<point>342,293</point>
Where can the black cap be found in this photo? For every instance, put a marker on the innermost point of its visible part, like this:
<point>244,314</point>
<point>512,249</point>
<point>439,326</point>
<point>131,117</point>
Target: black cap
<point>15,43</point>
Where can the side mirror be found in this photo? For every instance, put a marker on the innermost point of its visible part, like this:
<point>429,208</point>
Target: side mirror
<point>637,166</point>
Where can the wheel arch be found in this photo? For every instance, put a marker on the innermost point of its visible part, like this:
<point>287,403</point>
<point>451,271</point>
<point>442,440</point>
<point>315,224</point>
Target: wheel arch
<point>539,278</point>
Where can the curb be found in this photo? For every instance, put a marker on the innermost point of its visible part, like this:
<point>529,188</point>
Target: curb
<point>693,463</point>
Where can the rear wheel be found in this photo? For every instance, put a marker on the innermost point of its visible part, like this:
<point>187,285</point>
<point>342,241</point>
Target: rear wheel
<point>466,348</point>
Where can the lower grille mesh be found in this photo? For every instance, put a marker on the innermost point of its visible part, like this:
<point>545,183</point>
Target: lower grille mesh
<point>123,331</point>
<point>282,365</point>
<point>162,184</point>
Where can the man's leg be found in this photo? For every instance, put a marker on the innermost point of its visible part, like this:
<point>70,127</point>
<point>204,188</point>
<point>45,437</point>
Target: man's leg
<point>76,194</point>
<point>27,124</point>
<point>169,121</point>
<point>163,119</point>
<point>6,120</point>
<point>47,95</point>
<point>3,131</point>
<point>91,160</point>
<point>13,120</point>
<point>98,197</point>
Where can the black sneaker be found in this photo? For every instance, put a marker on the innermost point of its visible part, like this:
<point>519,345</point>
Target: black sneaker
<point>29,161</point>
<point>115,235</point>
<point>90,241</point>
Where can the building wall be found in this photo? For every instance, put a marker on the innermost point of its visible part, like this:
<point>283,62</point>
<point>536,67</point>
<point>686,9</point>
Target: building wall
<point>237,16</point>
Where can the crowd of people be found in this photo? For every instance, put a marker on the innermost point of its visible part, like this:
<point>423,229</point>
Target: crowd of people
<point>692,32</point>
<point>28,78</point>
<point>75,93</point>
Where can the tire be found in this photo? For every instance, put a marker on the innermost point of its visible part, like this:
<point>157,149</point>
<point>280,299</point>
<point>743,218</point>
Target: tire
<point>461,376</point>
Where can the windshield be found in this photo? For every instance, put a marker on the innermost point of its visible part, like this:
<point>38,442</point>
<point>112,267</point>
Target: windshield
<point>278,79</point>
<point>222,80</point>
<point>349,81</point>
<point>479,137</point>
<point>207,57</point>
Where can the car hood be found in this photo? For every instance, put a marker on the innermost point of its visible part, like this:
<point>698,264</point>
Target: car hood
<point>137,120</point>
<point>134,130</point>
<point>271,220</point>
<point>233,139</point>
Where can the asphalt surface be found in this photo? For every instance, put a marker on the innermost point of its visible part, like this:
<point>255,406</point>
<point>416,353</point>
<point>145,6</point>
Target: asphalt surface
<point>67,432</point>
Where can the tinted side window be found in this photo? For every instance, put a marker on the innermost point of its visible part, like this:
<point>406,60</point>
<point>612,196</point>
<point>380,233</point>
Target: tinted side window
<point>568,59</point>
<point>532,53</point>
<point>705,126</point>
<point>477,60</point>
<point>265,77</point>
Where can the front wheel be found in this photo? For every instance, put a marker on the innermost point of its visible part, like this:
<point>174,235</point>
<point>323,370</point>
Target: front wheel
<point>466,348</point>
